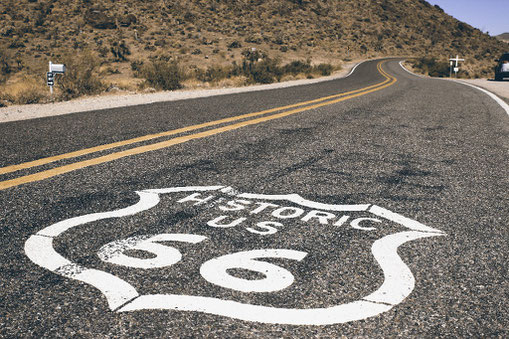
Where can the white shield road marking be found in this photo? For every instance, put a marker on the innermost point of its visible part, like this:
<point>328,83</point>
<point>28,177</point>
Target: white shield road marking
<point>123,297</point>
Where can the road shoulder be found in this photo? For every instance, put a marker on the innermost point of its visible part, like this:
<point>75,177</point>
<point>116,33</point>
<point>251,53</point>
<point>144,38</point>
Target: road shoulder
<point>498,90</point>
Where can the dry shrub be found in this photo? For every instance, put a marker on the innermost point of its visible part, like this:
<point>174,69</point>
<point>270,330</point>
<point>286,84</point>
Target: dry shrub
<point>297,66</point>
<point>24,91</point>
<point>5,64</point>
<point>431,66</point>
<point>81,76</point>
<point>30,95</point>
<point>324,69</point>
<point>214,73</point>
<point>163,74</point>
<point>258,67</point>
<point>5,99</point>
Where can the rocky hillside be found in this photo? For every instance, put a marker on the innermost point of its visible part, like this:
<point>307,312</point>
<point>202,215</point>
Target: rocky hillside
<point>122,35</point>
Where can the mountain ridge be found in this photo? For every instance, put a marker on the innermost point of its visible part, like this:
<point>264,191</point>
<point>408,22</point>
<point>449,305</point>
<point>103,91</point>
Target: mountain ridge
<point>503,37</point>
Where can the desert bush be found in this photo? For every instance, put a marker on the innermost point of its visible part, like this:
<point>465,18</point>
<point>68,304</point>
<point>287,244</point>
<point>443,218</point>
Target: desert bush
<point>163,74</point>
<point>324,69</point>
<point>235,44</point>
<point>127,20</point>
<point>262,70</point>
<point>296,67</point>
<point>81,77</point>
<point>120,50</point>
<point>103,52</point>
<point>214,73</point>
<point>266,71</point>
<point>253,54</point>
<point>98,19</point>
<point>254,38</point>
<point>5,65</point>
<point>258,67</point>
<point>6,99</point>
<point>430,65</point>
<point>16,43</point>
<point>136,67</point>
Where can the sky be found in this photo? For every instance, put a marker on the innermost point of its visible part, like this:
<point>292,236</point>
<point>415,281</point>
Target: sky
<point>488,15</point>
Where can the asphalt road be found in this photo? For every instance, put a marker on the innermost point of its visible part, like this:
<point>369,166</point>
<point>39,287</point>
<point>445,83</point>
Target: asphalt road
<point>379,213</point>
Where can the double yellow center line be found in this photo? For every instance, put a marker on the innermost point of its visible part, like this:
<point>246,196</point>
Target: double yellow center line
<point>260,117</point>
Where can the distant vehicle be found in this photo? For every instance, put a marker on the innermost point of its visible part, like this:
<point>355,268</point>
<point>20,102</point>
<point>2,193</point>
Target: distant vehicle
<point>502,69</point>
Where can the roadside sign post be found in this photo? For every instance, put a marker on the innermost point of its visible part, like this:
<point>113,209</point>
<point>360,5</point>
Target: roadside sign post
<point>50,80</point>
<point>456,65</point>
<point>50,76</point>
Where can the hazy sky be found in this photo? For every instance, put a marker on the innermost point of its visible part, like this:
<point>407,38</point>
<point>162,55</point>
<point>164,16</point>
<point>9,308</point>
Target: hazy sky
<point>487,15</point>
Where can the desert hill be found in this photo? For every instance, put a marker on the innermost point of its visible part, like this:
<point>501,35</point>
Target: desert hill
<point>503,37</point>
<point>121,36</point>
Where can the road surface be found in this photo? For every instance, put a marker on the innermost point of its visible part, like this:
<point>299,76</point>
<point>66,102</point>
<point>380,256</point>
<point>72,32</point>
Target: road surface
<point>375,205</point>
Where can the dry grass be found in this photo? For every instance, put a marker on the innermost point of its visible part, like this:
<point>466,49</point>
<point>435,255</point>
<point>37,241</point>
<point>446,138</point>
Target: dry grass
<point>235,81</point>
<point>122,83</point>
<point>24,90</point>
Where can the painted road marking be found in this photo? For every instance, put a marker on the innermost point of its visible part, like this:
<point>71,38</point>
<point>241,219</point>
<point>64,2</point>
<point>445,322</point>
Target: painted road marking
<point>178,140</point>
<point>44,161</point>
<point>123,297</point>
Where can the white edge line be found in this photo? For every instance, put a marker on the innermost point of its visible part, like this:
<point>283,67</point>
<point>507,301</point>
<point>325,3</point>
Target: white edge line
<point>412,73</point>
<point>353,69</point>
<point>495,97</point>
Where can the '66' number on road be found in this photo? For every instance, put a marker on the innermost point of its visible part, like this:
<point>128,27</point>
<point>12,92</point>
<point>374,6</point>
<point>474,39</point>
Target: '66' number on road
<point>214,270</point>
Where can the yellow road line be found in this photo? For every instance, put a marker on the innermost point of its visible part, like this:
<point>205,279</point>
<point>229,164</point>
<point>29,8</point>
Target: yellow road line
<point>74,154</point>
<point>163,144</point>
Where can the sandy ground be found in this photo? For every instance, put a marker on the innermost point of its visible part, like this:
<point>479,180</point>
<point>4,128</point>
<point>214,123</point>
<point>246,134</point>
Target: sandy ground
<point>23,112</point>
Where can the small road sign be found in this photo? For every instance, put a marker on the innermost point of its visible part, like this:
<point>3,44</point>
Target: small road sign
<point>455,61</point>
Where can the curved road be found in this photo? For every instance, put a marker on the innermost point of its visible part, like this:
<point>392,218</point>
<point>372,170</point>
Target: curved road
<point>376,205</point>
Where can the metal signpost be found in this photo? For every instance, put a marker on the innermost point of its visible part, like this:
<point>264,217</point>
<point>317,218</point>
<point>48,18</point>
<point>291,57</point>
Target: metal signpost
<point>50,76</point>
<point>456,66</point>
